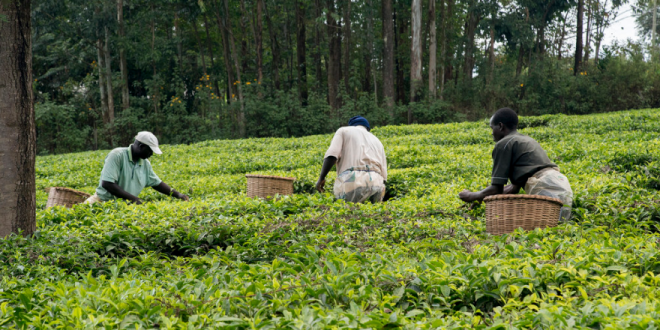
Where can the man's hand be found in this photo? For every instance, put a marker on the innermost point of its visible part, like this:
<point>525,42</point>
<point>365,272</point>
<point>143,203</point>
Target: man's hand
<point>320,184</point>
<point>182,196</point>
<point>467,196</point>
<point>138,202</point>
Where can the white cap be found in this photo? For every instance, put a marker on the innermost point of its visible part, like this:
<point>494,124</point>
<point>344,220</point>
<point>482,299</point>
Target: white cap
<point>149,139</point>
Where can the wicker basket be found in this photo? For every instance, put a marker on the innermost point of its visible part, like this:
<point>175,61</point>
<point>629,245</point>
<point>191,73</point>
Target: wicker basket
<point>505,213</point>
<point>266,186</point>
<point>65,197</point>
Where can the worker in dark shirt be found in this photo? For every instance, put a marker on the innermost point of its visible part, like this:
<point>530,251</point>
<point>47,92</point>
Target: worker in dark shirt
<point>520,159</point>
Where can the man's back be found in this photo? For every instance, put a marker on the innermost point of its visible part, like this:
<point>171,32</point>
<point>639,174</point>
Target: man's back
<point>518,157</point>
<point>355,146</point>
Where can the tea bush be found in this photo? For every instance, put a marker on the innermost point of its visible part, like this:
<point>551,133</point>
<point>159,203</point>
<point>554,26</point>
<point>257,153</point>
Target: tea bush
<point>421,260</point>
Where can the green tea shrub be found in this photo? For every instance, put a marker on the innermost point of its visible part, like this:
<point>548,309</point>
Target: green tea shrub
<point>420,260</point>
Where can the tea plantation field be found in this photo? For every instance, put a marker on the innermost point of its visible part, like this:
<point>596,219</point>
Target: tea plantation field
<point>421,260</point>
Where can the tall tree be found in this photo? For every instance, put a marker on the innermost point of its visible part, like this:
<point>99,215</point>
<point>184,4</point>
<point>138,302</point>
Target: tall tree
<point>415,54</point>
<point>443,46</point>
<point>17,127</point>
<point>400,28</point>
<point>275,50</point>
<point>317,43</point>
<point>259,39</point>
<point>347,45</point>
<point>491,52</point>
<point>471,25</point>
<point>334,56</point>
<point>226,55</point>
<point>179,41</point>
<point>432,50</point>
<point>368,53</point>
<point>123,67</point>
<point>232,49</point>
<point>108,77</point>
<point>388,56</point>
<point>654,26</point>
<point>301,53</point>
<point>199,46</point>
<point>244,22</point>
<point>590,17</point>
<point>102,80</point>
<point>578,38</point>
<point>212,57</point>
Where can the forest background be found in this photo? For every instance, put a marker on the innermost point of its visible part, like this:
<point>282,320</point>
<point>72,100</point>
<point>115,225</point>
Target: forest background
<point>208,69</point>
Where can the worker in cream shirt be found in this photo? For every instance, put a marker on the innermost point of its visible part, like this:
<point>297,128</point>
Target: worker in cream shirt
<point>361,163</point>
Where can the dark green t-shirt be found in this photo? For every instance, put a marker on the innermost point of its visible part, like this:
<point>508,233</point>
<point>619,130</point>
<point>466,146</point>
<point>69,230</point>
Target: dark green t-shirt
<point>517,157</point>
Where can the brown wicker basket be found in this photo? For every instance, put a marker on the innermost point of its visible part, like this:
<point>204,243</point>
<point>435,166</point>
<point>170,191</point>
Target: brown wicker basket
<point>65,197</point>
<point>505,213</point>
<point>266,186</point>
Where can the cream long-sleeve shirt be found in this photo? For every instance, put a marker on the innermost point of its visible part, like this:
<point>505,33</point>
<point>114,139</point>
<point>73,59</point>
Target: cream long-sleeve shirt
<point>355,146</point>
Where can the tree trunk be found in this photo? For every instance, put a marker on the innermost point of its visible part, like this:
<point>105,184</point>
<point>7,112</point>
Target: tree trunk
<point>578,38</point>
<point>599,29</point>
<point>334,58</point>
<point>432,51</point>
<point>443,46</point>
<point>244,37</point>
<point>179,48</point>
<point>400,30</point>
<point>491,52</point>
<point>123,67</point>
<point>230,34</point>
<point>289,45</point>
<point>563,35</point>
<point>415,54</point>
<point>541,37</point>
<point>108,76</point>
<point>388,57</point>
<point>17,128</point>
<point>259,39</point>
<point>156,95</point>
<point>275,49</point>
<point>301,51</point>
<point>226,57</point>
<point>210,48</point>
<point>521,58</point>
<point>368,51</point>
<point>654,26</point>
<point>588,41</point>
<point>317,45</point>
<point>471,27</point>
<point>102,79</point>
<point>199,45</point>
<point>347,47</point>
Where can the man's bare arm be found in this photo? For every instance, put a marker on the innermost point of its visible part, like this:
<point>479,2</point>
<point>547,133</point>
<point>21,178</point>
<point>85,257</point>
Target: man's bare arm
<point>328,163</point>
<point>117,191</point>
<point>511,189</point>
<point>468,196</point>
<point>165,189</point>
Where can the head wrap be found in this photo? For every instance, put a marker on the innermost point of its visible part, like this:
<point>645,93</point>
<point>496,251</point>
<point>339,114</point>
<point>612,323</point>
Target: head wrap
<point>359,120</point>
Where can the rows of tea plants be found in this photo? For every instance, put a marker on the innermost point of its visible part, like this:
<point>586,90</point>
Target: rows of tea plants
<point>421,260</point>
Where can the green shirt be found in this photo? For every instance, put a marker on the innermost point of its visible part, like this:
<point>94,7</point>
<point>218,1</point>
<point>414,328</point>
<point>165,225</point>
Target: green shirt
<point>517,157</point>
<point>130,176</point>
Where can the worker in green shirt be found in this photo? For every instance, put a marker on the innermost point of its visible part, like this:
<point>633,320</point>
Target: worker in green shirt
<point>520,159</point>
<point>127,171</point>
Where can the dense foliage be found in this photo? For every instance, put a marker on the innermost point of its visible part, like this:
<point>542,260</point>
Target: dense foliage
<point>419,260</point>
<point>199,70</point>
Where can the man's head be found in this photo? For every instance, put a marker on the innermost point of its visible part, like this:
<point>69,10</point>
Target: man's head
<point>359,121</point>
<point>503,122</point>
<point>145,145</point>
